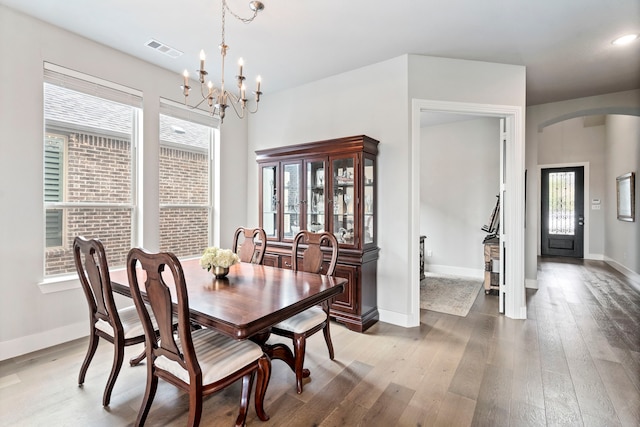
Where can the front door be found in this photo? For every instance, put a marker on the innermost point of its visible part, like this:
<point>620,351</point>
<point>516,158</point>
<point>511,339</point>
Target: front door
<point>562,218</point>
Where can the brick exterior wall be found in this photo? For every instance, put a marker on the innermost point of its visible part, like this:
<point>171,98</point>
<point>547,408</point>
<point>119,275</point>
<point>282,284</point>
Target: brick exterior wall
<point>184,231</point>
<point>184,180</point>
<point>98,169</point>
<point>184,177</point>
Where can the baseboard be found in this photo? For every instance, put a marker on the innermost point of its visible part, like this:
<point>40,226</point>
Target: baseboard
<point>632,275</point>
<point>531,283</point>
<point>595,257</point>
<point>27,344</point>
<point>474,273</point>
<point>523,313</point>
<point>395,318</point>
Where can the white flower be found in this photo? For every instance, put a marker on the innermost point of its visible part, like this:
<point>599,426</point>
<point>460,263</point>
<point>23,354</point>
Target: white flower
<point>216,257</point>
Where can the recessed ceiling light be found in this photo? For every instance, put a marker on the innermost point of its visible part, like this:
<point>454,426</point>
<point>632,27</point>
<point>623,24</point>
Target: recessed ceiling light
<point>626,39</point>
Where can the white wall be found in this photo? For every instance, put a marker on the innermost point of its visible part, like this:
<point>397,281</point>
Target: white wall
<point>371,101</point>
<point>573,143</point>
<point>375,101</point>
<point>29,318</point>
<point>622,244</point>
<point>459,179</point>
<point>537,117</point>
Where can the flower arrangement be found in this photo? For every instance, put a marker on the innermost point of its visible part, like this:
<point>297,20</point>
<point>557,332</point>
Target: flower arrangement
<point>215,257</point>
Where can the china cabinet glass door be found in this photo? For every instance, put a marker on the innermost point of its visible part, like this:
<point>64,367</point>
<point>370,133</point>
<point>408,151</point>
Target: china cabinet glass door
<point>369,201</point>
<point>315,196</point>
<point>270,200</point>
<point>344,200</point>
<point>291,179</point>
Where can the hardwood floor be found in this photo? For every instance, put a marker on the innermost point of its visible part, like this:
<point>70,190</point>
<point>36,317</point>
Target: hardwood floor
<point>574,361</point>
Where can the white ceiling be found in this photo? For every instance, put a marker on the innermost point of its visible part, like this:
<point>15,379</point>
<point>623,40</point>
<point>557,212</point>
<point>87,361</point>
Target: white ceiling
<point>565,44</point>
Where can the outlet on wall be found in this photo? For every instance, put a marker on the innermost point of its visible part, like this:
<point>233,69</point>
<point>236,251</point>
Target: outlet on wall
<point>429,253</point>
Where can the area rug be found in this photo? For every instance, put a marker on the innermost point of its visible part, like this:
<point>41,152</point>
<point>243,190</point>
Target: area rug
<point>448,294</point>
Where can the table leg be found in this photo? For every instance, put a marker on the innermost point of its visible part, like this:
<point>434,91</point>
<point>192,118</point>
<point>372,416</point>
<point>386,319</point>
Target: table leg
<point>278,351</point>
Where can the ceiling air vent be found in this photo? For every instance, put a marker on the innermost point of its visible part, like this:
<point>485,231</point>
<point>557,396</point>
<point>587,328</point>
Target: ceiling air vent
<point>163,48</point>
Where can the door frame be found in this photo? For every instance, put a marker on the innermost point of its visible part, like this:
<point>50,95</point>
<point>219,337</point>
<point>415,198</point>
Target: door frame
<point>513,208</point>
<point>586,253</point>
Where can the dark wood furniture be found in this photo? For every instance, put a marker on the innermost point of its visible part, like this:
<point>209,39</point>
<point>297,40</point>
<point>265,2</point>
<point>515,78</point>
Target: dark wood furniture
<point>303,325</point>
<point>252,244</point>
<point>326,186</point>
<point>491,276</point>
<point>199,362</point>
<point>249,301</point>
<point>119,327</point>
<point>422,275</point>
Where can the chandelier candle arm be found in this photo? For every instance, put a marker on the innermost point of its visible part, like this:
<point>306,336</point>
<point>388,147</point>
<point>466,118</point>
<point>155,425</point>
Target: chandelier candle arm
<point>222,97</point>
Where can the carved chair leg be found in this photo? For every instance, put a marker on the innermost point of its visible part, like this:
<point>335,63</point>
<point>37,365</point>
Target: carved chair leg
<point>91,351</point>
<point>195,405</point>
<point>247,384</point>
<point>327,338</point>
<point>264,374</point>
<point>118,357</point>
<point>139,358</point>
<point>299,344</point>
<point>149,394</point>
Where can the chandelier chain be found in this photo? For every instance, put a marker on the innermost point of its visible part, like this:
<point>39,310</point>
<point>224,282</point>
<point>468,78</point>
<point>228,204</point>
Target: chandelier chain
<point>238,17</point>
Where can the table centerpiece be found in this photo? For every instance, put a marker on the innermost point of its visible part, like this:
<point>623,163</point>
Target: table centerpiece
<point>218,260</point>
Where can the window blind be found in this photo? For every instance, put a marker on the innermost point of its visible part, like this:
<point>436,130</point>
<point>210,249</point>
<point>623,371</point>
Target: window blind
<point>180,111</point>
<point>74,80</point>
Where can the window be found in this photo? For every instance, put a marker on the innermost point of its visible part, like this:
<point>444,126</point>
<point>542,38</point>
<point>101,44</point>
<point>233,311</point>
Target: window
<point>88,165</point>
<point>185,168</point>
<point>562,188</point>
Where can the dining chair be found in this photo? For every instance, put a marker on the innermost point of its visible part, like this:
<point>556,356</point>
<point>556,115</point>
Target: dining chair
<point>253,245</point>
<point>199,362</point>
<point>303,325</point>
<point>120,327</point>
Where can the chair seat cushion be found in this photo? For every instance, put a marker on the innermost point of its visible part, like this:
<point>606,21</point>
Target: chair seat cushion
<point>217,354</point>
<point>131,324</point>
<point>304,321</point>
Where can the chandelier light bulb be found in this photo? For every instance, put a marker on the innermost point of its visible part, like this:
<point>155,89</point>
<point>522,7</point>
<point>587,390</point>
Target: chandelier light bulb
<point>202,58</point>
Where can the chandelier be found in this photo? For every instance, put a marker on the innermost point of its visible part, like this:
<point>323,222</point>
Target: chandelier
<point>219,98</point>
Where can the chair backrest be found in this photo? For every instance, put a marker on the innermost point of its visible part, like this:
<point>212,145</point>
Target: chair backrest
<point>253,246</point>
<point>93,271</point>
<point>158,292</point>
<point>312,255</point>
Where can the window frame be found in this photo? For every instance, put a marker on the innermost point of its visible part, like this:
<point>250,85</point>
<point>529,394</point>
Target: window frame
<point>108,91</point>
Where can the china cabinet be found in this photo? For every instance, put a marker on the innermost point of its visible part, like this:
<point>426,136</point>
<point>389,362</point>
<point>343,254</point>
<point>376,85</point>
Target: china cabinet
<point>326,186</point>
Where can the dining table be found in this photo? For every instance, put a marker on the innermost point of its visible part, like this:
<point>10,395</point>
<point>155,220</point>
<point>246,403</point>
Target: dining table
<point>248,301</point>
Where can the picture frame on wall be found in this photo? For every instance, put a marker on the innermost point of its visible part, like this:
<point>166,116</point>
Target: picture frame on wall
<point>626,197</point>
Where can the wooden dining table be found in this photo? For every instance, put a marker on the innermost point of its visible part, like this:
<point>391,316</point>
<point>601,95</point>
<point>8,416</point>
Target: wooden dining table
<point>249,300</point>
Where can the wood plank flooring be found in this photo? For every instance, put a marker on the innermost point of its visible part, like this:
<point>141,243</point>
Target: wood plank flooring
<point>575,361</point>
